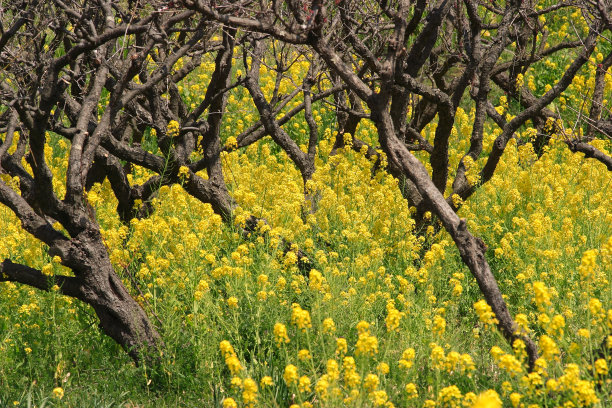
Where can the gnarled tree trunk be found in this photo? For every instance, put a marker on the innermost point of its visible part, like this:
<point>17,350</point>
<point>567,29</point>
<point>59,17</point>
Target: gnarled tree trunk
<point>121,317</point>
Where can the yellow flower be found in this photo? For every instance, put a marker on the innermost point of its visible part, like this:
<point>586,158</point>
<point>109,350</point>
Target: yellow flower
<point>229,403</point>
<point>236,382</point>
<point>47,270</point>
<point>322,386</point>
<point>601,367</point>
<point>488,399</point>
<point>484,312</point>
<point>393,317</point>
<point>595,306</point>
<point>585,393</point>
<point>347,138</point>
<point>233,364</point>
<point>449,395</point>
<point>457,290</point>
<point>333,371</point>
<point>329,326</point>
<point>541,294</point>
<point>408,358</point>
<point>351,377</point>
<point>549,347</point>
<point>366,344</point>
<point>540,365</point>
<point>300,317</point>
<point>383,368</point>
<point>532,380</point>
<point>280,333</point>
<point>496,352</point>
<point>226,348</point>
<point>510,364</point>
<point>341,346</point>
<point>522,321</point>
<point>58,392</point>
<point>231,143</point>
<point>291,374</point>
<point>439,324</point>
<point>231,360</point>
<point>249,392</point>
<point>173,129</point>
<point>411,390</point>
<point>304,355</point>
<point>266,381</point>
<point>183,172</point>
<point>557,324</point>
<point>380,398</point>
<point>437,356</point>
<point>584,333</point>
<point>290,259</point>
<point>363,327</point>
<point>370,382</point>
<point>232,302</point>
<point>304,384</point>
<point>588,263</point>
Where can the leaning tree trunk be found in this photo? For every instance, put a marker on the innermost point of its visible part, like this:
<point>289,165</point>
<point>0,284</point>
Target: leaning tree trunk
<point>472,249</point>
<point>121,317</point>
<point>95,283</point>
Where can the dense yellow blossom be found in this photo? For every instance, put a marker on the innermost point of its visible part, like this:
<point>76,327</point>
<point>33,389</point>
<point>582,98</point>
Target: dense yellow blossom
<point>280,333</point>
<point>291,374</point>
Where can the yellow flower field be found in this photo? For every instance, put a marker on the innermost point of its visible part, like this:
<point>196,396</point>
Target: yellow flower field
<point>386,315</point>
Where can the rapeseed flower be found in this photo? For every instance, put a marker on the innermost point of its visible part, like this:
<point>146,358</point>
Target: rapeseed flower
<point>485,313</point>
<point>229,403</point>
<point>300,317</point>
<point>291,374</point>
<point>173,129</point>
<point>280,333</point>
<point>58,392</point>
<point>488,399</point>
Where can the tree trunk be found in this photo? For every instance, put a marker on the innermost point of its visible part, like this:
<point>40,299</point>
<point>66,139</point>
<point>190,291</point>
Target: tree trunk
<point>121,317</point>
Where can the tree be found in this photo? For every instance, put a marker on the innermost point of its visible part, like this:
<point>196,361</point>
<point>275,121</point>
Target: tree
<point>59,61</point>
<point>106,78</point>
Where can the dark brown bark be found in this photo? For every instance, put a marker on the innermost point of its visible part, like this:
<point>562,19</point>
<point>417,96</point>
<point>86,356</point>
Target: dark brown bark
<point>461,187</point>
<point>590,151</point>
<point>121,317</point>
<point>39,101</point>
<point>404,56</point>
<point>598,93</point>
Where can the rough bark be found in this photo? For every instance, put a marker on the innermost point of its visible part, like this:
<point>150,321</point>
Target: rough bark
<point>121,317</point>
